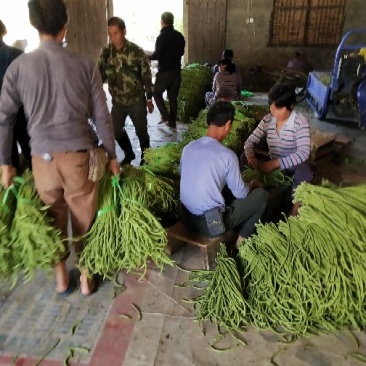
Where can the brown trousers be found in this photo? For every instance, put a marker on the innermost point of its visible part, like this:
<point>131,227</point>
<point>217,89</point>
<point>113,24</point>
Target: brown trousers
<point>63,184</point>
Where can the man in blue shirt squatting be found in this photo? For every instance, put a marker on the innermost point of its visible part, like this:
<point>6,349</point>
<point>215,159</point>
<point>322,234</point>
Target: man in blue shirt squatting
<point>207,166</point>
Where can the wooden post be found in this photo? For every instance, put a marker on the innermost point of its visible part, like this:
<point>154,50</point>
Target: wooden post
<point>87,27</point>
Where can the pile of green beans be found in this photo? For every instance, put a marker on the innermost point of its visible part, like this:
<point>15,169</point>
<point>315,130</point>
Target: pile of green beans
<point>307,274</point>
<point>222,300</point>
<point>196,80</point>
<point>257,112</point>
<point>242,127</point>
<point>273,179</point>
<point>35,243</point>
<point>161,194</point>
<point>164,160</point>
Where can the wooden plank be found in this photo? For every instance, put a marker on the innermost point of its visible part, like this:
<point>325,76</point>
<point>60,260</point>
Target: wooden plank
<point>180,232</point>
<point>178,235</point>
<point>174,245</point>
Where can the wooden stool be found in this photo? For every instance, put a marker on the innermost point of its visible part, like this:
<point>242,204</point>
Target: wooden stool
<point>179,235</point>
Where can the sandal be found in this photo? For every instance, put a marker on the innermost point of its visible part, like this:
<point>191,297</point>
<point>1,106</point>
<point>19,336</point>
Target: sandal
<point>93,286</point>
<point>70,289</point>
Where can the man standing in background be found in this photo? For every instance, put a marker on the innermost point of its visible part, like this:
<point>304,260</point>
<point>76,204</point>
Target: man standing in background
<point>125,66</point>
<point>7,56</point>
<point>169,49</point>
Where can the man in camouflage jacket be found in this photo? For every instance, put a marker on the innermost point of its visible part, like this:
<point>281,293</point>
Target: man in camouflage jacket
<point>125,67</point>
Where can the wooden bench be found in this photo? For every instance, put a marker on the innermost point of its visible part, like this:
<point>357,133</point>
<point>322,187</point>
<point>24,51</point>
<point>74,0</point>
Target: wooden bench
<point>179,235</point>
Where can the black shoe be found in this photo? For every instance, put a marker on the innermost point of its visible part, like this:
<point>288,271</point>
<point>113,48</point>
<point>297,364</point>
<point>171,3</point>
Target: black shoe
<point>144,145</point>
<point>127,159</point>
<point>125,144</point>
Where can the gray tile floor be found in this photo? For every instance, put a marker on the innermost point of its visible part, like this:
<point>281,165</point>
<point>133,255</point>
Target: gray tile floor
<point>171,337</point>
<point>33,318</point>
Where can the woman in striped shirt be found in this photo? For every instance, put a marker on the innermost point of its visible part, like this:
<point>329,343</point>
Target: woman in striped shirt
<point>287,132</point>
<point>226,83</point>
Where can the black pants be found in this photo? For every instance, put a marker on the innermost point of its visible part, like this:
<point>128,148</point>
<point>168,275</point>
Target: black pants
<point>138,114</point>
<point>169,81</point>
<point>20,135</point>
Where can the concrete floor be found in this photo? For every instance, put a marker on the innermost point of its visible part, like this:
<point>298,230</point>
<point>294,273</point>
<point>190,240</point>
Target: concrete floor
<point>39,328</point>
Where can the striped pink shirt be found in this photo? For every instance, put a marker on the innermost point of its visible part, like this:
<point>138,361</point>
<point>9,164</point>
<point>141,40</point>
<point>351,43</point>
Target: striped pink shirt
<point>226,85</point>
<point>291,146</point>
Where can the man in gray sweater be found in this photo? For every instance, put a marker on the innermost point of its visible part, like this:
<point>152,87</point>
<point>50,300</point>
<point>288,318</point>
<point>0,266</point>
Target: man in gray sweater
<point>59,90</point>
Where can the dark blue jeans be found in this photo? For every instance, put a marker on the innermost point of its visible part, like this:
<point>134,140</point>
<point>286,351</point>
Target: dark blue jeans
<point>301,173</point>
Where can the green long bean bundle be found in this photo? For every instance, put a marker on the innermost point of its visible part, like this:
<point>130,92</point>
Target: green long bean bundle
<point>162,195</point>
<point>5,253</point>
<point>125,234</point>
<point>272,179</point>
<point>222,300</point>
<point>143,237</point>
<point>35,242</point>
<point>308,274</point>
<point>7,204</point>
<point>7,209</point>
<point>103,252</point>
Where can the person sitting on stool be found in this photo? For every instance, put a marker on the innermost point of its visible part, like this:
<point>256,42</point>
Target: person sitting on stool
<point>203,180</point>
<point>287,132</point>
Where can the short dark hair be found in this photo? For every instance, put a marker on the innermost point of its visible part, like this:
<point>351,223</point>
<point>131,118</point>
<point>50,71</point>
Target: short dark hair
<point>3,30</point>
<point>282,95</point>
<point>117,21</point>
<point>47,16</point>
<point>228,53</point>
<point>167,18</point>
<point>220,112</point>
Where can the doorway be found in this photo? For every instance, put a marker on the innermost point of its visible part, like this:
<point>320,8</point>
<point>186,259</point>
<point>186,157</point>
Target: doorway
<point>142,19</point>
<point>15,17</point>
